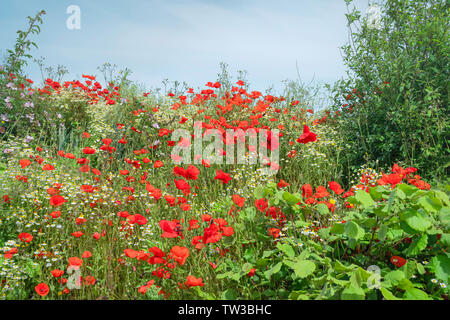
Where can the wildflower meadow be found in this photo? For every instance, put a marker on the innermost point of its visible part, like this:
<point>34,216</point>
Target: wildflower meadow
<point>227,192</point>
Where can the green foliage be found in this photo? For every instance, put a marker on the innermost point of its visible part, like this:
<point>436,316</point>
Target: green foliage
<point>393,106</point>
<point>16,59</point>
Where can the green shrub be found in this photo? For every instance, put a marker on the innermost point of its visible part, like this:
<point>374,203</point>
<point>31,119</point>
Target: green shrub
<point>393,106</point>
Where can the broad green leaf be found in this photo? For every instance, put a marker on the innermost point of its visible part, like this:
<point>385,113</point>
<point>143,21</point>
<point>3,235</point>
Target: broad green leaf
<point>322,208</point>
<point>364,198</point>
<point>415,294</point>
<point>304,268</point>
<point>444,216</point>
<point>246,267</point>
<point>393,278</point>
<point>430,204</point>
<point>353,293</point>
<point>417,245</point>
<point>339,267</point>
<point>420,268</point>
<point>259,192</point>
<point>376,193</point>
<point>276,268</point>
<point>229,294</point>
<point>441,267</point>
<point>388,295</point>
<point>382,232</point>
<point>290,198</point>
<point>415,220</point>
<point>442,196</point>
<point>353,230</point>
<point>445,239</point>
<point>407,189</point>
<point>338,228</point>
<point>249,254</point>
<point>286,249</point>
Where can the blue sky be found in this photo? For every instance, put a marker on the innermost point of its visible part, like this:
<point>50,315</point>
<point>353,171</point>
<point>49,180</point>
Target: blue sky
<point>186,40</point>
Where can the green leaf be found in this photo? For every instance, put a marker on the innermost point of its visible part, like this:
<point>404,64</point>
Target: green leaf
<point>286,249</point>
<point>444,216</point>
<point>441,267</point>
<point>388,295</point>
<point>417,246</point>
<point>420,268</point>
<point>249,254</point>
<point>415,294</point>
<point>430,204</point>
<point>353,230</point>
<point>322,208</point>
<point>445,239</point>
<point>304,268</point>
<point>407,189</point>
<point>415,220</point>
<point>364,198</point>
<point>290,198</point>
<point>442,196</point>
<point>259,192</point>
<point>376,193</point>
<point>276,268</point>
<point>340,268</point>
<point>338,228</point>
<point>353,293</point>
<point>229,294</point>
<point>250,213</point>
<point>393,278</point>
<point>382,232</point>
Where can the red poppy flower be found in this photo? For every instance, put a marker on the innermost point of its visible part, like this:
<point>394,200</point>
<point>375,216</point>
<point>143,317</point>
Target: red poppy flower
<point>179,254</point>
<point>77,234</point>
<point>222,176</point>
<point>157,164</point>
<point>206,217</point>
<point>86,254</point>
<point>282,184</point>
<point>321,192</point>
<point>24,163</point>
<point>307,136</point>
<point>170,200</point>
<point>42,289</point>
<point>172,229</point>
<point>57,201</point>
<point>274,232</point>
<point>261,204</point>
<point>336,187</point>
<point>307,190</point>
<point>211,234</point>
<point>138,219</point>
<point>182,185</point>
<point>75,261</point>
<point>238,200</point>
<point>185,207</point>
<point>192,172</point>
<point>87,188</point>
<point>89,280</point>
<point>88,150</point>
<point>48,167</point>
<point>57,273</point>
<point>192,281</point>
<point>398,261</point>
<point>25,237</point>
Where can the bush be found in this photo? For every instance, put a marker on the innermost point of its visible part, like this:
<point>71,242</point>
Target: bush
<point>394,104</point>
